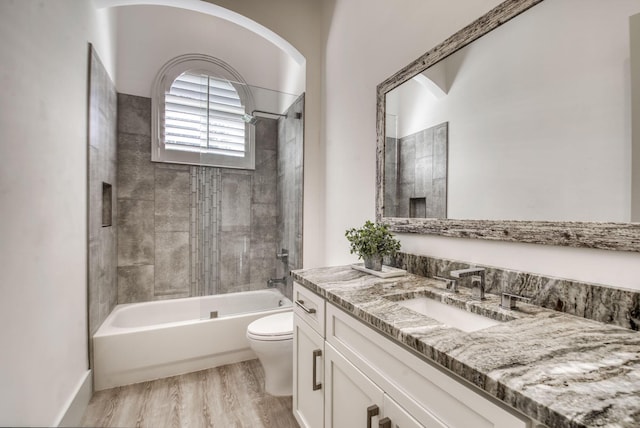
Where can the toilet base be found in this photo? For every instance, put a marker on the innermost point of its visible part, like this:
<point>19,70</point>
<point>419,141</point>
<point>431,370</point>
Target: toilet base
<point>276,359</point>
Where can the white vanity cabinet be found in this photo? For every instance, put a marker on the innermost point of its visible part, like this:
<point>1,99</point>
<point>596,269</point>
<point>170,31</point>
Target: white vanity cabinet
<point>308,358</point>
<point>370,381</point>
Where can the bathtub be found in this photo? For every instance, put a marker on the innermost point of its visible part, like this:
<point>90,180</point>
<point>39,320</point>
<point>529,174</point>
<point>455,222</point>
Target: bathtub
<point>151,340</point>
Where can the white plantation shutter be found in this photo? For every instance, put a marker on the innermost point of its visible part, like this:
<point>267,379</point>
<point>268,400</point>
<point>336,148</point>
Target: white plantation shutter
<point>204,114</point>
<point>198,103</point>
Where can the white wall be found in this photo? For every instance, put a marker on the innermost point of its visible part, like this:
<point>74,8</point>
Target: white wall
<point>634,24</point>
<point>150,36</point>
<point>43,233</point>
<point>367,42</point>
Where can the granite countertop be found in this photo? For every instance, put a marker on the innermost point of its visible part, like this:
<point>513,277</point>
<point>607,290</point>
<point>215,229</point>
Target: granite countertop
<point>562,370</point>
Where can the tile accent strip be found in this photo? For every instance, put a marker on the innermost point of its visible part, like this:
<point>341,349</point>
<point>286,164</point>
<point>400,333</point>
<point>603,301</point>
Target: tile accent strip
<point>598,302</point>
<point>203,227</point>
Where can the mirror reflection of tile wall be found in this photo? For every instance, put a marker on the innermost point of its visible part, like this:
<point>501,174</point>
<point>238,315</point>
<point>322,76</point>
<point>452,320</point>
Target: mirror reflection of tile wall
<point>416,174</point>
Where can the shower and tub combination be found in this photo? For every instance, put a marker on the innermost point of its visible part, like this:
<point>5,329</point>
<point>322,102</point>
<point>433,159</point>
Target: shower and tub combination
<point>151,340</point>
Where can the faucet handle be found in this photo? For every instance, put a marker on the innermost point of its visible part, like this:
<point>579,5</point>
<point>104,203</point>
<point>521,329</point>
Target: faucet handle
<point>284,253</point>
<point>508,301</point>
<point>477,283</point>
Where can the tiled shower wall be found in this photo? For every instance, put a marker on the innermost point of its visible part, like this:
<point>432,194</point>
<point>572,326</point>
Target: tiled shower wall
<point>290,185</point>
<point>248,223</point>
<point>102,292</point>
<point>187,230</point>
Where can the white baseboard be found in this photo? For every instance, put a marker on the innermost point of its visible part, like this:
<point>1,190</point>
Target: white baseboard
<point>77,403</point>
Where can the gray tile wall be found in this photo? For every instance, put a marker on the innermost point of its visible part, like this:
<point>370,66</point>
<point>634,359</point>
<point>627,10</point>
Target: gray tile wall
<point>289,188</point>
<point>262,252</point>
<point>102,292</point>
<point>187,230</point>
<point>416,171</point>
<point>136,200</point>
<point>171,215</point>
<point>154,221</point>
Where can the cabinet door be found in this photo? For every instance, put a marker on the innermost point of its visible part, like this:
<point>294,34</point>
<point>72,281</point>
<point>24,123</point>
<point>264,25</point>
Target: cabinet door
<point>308,367</point>
<point>351,399</point>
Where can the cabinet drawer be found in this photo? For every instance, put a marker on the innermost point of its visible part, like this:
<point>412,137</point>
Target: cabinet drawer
<point>427,392</point>
<point>309,307</point>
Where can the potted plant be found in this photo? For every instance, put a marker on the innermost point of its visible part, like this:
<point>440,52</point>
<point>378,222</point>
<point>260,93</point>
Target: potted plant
<point>371,242</point>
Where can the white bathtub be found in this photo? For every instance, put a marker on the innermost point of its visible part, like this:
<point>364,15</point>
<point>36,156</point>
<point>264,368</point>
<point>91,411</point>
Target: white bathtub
<point>152,340</point>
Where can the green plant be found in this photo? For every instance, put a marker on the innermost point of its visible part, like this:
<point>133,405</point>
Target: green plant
<point>372,239</point>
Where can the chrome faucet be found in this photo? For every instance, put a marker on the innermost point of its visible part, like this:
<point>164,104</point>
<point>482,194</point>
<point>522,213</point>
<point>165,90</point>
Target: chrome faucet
<point>273,282</point>
<point>477,280</point>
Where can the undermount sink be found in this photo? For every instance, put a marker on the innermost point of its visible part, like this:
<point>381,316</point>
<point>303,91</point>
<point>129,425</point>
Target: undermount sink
<point>449,315</point>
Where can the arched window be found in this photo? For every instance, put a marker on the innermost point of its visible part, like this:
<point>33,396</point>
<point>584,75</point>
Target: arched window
<point>199,108</point>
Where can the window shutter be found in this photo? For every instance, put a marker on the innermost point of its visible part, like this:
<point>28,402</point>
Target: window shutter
<point>204,114</point>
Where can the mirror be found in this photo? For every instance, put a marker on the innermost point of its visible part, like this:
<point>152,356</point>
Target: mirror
<point>539,141</point>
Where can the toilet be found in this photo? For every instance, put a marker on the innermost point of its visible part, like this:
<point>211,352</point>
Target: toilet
<point>271,338</point>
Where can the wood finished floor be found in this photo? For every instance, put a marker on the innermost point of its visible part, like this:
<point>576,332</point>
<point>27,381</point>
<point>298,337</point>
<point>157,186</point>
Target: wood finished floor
<point>228,396</point>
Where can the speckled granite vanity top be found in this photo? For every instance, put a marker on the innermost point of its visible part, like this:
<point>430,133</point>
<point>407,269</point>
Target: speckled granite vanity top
<point>559,369</point>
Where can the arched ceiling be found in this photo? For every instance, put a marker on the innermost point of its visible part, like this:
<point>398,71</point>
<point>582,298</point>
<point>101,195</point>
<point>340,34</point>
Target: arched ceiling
<point>217,11</point>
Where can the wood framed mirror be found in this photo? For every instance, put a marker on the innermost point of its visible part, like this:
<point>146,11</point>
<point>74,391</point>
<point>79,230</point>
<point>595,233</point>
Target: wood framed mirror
<point>541,130</point>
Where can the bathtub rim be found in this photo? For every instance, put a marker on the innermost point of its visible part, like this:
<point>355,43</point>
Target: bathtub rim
<point>107,328</point>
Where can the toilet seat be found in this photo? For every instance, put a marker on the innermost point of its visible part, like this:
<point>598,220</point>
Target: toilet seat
<point>272,327</point>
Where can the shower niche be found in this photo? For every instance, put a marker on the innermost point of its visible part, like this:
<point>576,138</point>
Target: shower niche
<point>107,204</point>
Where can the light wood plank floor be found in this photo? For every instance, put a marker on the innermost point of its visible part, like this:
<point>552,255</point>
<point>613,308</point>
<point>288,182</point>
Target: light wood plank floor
<point>228,396</point>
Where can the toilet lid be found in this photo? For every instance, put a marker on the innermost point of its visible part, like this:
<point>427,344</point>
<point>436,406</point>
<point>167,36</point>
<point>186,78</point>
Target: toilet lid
<point>272,327</point>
